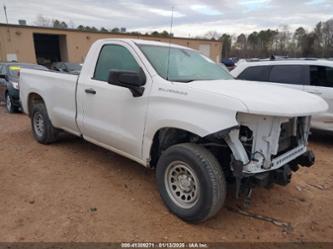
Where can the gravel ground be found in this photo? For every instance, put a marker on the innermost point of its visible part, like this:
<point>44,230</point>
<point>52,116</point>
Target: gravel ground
<point>76,191</point>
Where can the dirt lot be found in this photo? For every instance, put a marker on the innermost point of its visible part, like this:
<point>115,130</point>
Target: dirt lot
<point>76,191</point>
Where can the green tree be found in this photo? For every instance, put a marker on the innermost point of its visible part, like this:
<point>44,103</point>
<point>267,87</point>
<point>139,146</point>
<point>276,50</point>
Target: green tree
<point>164,33</point>
<point>327,38</point>
<point>241,41</point>
<point>155,33</point>
<point>252,42</point>
<point>64,25</point>
<point>226,45</point>
<point>309,49</point>
<point>80,27</point>
<point>59,24</point>
<point>266,40</point>
<point>115,30</point>
<point>56,23</point>
<point>299,38</point>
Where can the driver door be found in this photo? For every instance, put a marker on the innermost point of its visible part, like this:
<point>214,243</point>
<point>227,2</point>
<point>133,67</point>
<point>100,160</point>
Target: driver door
<point>112,117</point>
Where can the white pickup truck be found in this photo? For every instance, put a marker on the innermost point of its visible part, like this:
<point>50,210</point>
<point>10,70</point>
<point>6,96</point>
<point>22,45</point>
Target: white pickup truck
<point>169,107</point>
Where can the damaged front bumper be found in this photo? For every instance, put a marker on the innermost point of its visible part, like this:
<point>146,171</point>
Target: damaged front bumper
<point>268,148</point>
<point>265,143</point>
<point>254,167</point>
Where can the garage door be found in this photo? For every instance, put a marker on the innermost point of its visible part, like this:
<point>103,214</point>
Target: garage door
<point>205,49</point>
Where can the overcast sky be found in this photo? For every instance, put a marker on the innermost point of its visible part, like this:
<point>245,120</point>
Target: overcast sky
<point>191,18</point>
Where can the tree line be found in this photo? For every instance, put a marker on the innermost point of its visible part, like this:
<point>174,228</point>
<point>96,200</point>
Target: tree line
<point>43,21</point>
<point>317,42</point>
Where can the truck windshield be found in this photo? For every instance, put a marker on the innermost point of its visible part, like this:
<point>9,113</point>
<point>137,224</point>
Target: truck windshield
<point>184,65</point>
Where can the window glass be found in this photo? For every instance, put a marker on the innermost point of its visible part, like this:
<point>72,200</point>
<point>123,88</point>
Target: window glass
<point>3,69</point>
<point>257,73</point>
<point>114,57</point>
<point>290,74</point>
<point>182,65</point>
<point>321,76</point>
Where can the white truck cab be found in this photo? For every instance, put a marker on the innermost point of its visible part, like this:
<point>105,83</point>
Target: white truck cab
<point>169,107</point>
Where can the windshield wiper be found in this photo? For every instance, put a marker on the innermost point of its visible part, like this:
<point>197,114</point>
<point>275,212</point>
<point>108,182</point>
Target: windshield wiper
<point>185,81</point>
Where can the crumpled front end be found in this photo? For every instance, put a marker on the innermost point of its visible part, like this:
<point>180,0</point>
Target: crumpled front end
<point>269,147</point>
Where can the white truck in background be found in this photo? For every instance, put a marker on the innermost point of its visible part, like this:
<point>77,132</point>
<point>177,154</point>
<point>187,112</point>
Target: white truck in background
<point>309,75</point>
<point>169,107</point>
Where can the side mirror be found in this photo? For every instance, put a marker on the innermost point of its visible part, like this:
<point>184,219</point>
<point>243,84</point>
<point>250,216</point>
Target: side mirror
<point>134,81</point>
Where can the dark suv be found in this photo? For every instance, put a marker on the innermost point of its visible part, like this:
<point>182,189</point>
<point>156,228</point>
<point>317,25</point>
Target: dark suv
<point>9,83</point>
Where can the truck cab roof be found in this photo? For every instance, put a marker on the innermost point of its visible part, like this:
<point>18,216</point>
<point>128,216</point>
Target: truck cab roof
<point>145,42</point>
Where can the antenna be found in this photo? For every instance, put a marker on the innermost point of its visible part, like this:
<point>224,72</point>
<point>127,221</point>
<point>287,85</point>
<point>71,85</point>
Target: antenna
<point>5,9</point>
<point>8,31</point>
<point>171,24</point>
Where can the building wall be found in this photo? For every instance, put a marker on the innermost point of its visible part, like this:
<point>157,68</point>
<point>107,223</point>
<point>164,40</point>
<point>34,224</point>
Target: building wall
<point>74,45</point>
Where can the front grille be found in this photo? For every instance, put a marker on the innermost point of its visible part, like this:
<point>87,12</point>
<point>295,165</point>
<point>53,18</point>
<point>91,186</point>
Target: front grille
<point>285,139</point>
<point>291,133</point>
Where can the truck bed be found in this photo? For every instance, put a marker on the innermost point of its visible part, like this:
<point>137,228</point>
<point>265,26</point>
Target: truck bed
<point>58,93</point>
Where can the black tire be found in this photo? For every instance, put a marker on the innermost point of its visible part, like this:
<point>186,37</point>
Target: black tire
<point>47,134</point>
<point>10,108</point>
<point>211,182</point>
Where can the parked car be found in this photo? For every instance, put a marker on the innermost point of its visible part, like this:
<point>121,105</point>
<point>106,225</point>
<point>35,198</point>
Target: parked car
<point>9,83</point>
<point>310,75</point>
<point>169,107</point>
<point>229,63</point>
<point>66,67</point>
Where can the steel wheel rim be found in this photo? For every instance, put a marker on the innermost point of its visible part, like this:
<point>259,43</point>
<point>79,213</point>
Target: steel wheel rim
<point>8,103</point>
<point>38,122</point>
<point>182,184</point>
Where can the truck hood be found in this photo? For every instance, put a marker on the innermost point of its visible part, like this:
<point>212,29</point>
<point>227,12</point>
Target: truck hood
<point>264,98</point>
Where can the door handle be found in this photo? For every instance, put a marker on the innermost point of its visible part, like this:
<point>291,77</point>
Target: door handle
<point>90,91</point>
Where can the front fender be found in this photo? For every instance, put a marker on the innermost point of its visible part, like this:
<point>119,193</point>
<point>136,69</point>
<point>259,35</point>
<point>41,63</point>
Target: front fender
<point>201,123</point>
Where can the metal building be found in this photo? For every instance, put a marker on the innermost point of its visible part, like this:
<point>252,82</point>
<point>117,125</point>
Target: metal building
<point>44,45</point>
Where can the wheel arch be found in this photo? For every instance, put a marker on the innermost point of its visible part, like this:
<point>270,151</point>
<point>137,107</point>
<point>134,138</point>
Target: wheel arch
<point>33,98</point>
<point>169,136</point>
<point>166,137</point>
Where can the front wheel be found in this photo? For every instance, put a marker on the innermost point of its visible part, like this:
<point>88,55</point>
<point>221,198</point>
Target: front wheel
<point>191,182</point>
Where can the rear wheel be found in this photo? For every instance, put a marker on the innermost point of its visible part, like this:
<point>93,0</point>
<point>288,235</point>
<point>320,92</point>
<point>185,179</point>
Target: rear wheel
<point>42,128</point>
<point>191,182</point>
